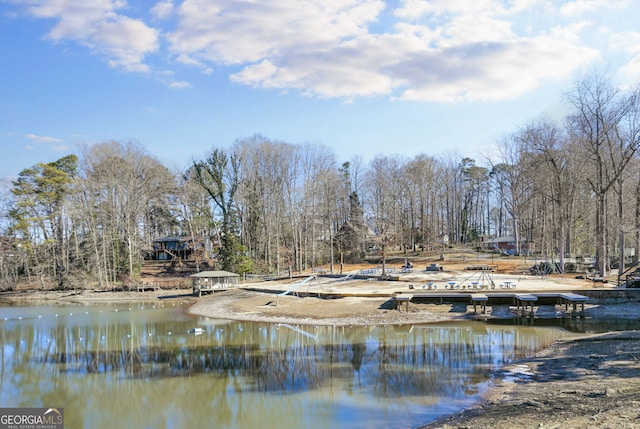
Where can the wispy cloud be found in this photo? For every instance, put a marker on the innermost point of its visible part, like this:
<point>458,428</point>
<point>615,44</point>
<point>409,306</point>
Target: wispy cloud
<point>179,85</point>
<point>162,10</point>
<point>52,143</point>
<point>581,7</point>
<point>629,43</point>
<point>42,139</point>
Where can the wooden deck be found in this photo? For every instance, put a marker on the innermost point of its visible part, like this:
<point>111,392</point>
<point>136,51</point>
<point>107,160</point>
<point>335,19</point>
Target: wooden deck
<point>479,298</point>
<point>567,298</point>
<point>141,287</point>
<point>523,301</point>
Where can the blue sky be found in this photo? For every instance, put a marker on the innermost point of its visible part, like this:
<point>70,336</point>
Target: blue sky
<point>365,77</point>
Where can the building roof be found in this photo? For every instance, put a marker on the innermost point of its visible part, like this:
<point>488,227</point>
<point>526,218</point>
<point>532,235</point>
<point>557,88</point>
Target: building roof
<point>507,239</point>
<point>210,274</point>
<point>180,239</point>
<point>500,240</point>
<point>170,239</point>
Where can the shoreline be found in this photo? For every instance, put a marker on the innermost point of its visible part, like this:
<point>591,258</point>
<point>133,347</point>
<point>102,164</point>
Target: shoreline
<point>252,306</point>
<point>584,381</point>
<point>579,382</point>
<point>246,304</point>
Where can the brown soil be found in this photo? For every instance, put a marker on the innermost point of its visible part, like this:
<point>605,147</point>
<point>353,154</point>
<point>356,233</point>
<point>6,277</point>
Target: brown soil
<point>254,306</point>
<point>591,382</point>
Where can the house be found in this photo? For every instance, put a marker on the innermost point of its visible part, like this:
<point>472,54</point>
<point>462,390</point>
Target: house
<point>211,281</point>
<point>352,236</point>
<point>505,245</point>
<point>182,247</point>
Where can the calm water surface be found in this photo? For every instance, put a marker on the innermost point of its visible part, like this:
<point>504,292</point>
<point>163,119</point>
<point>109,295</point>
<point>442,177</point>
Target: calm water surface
<point>144,366</point>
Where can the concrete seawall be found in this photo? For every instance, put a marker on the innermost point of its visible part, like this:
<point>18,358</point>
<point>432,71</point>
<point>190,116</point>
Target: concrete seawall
<point>611,296</point>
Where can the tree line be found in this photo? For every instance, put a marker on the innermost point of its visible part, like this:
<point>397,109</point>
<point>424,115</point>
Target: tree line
<point>563,188</point>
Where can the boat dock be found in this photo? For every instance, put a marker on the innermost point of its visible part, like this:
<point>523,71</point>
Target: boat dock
<point>524,302</point>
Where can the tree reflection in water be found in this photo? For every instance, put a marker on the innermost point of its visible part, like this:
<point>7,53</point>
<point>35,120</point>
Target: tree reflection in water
<point>430,362</point>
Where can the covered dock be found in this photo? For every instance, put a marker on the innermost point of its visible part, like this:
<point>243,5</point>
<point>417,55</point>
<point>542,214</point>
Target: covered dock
<point>212,281</point>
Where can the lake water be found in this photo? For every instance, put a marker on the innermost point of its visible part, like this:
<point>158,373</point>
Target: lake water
<point>152,366</point>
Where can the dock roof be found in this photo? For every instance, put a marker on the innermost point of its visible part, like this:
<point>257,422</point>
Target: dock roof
<point>215,274</point>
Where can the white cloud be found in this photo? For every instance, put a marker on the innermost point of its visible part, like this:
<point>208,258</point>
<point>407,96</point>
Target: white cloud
<point>179,85</point>
<point>497,71</point>
<point>126,41</point>
<point>426,50</point>
<point>48,140</point>
<point>42,139</point>
<point>582,7</point>
<point>162,10</point>
<point>417,9</point>
<point>629,43</point>
<point>632,69</point>
<point>435,51</point>
<point>243,31</point>
<point>341,74</point>
<point>98,25</point>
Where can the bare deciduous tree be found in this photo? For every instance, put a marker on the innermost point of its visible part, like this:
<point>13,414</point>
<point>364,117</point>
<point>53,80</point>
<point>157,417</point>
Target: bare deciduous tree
<point>121,186</point>
<point>606,125</point>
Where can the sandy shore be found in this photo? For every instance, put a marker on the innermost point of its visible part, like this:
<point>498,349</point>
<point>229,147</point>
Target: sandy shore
<point>350,310</point>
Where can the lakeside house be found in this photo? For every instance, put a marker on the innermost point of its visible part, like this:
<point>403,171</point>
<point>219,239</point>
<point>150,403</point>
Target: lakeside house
<point>180,247</point>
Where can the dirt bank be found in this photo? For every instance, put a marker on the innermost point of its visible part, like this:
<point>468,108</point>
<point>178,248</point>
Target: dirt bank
<point>44,297</point>
<point>591,382</point>
<point>254,306</point>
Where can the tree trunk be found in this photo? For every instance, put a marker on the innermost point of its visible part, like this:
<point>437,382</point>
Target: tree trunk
<point>621,261</point>
<point>601,241</point>
<point>636,256</point>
